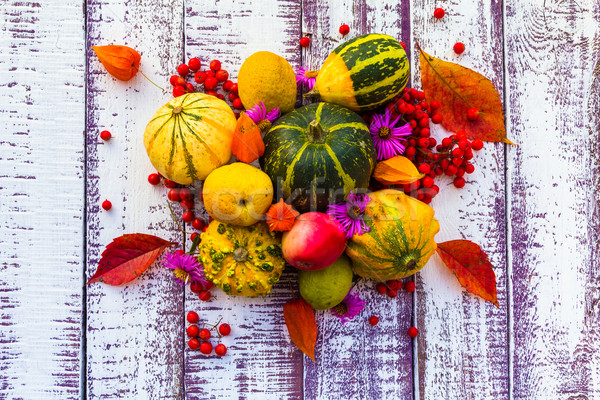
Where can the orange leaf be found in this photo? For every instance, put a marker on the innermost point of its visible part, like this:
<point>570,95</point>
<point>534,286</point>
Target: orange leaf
<point>471,266</point>
<point>281,216</point>
<point>300,321</point>
<point>122,62</point>
<point>127,257</point>
<point>247,143</point>
<point>457,89</point>
<point>396,170</point>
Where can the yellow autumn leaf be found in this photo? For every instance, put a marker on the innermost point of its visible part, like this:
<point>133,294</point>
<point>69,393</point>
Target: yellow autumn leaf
<point>397,170</point>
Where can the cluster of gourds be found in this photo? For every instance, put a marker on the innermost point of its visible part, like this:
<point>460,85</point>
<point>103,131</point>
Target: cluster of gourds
<point>313,157</point>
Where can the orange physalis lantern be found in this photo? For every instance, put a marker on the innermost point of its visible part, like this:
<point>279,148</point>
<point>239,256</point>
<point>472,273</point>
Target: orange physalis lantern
<point>122,62</point>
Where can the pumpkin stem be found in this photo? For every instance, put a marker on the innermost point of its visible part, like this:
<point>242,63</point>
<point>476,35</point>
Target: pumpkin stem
<point>240,254</point>
<point>316,133</point>
<point>177,110</point>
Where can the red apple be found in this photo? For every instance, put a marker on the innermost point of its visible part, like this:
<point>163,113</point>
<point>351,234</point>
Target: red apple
<point>315,241</point>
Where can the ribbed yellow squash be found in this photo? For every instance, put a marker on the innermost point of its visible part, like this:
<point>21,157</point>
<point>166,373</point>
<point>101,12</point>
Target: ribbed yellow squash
<point>400,240</point>
<point>189,137</point>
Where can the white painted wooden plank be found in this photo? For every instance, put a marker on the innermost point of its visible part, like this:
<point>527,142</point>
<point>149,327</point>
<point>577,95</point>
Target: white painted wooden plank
<point>261,362</point>
<point>135,332</point>
<point>462,350</point>
<point>358,361</point>
<point>42,99</point>
<point>552,61</point>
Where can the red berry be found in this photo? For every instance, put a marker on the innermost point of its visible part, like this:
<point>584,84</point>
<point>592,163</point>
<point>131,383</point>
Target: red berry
<point>174,79</point>
<point>392,293</point>
<point>425,132</point>
<point>381,288</point>
<point>200,77</point>
<point>459,48</point>
<point>409,286</point>
<point>392,284</point>
<point>439,13</point>
<point>204,334</point>
<point>211,93</point>
<point>204,295</point>
<point>344,29</point>
<point>457,161</point>
<point>208,284</point>
<point>186,194</point>
<point>107,205</point>
<point>427,182</point>
<point>194,64</point>
<point>192,317</point>
<point>187,204</point>
<point>234,88</point>
<point>193,237</point>
<point>463,144</point>
<point>194,344</point>
<point>210,73</point>
<point>187,216</point>
<point>472,113</point>
<point>477,144</point>
<point>227,86</point>
<point>435,105</point>
<point>173,195</point>
<point>403,45</point>
<point>153,179</point>
<point>436,119</point>
<point>373,320</point>
<point>458,152</point>
<point>105,135</point>
<point>237,104</point>
<point>420,95</point>
<point>469,168</point>
<point>215,65</point>
<point>192,331</point>
<point>451,170</point>
<point>178,91</point>
<point>206,348</point>
<point>170,184</point>
<point>220,96</point>
<point>198,224</point>
<point>423,143</point>
<point>424,168</point>
<point>432,142</point>
<point>459,182</point>
<point>211,83</point>
<point>224,329</point>
<point>220,350</point>
<point>412,332</point>
<point>189,87</point>
<point>222,75</point>
<point>195,286</point>
<point>232,96</point>
<point>304,42</point>
<point>460,172</point>
<point>183,69</point>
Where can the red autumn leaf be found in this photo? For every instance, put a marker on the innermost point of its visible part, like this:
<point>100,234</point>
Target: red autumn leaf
<point>127,257</point>
<point>281,216</point>
<point>300,321</point>
<point>458,89</point>
<point>471,266</point>
<point>122,62</point>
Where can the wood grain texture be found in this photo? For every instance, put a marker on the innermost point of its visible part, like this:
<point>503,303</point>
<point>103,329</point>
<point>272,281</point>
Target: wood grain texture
<point>135,332</point>
<point>552,52</point>
<point>261,362</point>
<point>42,99</point>
<point>462,349</point>
<point>358,361</point>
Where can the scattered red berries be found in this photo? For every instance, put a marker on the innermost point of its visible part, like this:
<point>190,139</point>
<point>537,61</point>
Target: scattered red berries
<point>194,344</point>
<point>473,113</point>
<point>215,65</point>
<point>173,195</point>
<point>477,144</point>
<point>206,348</point>
<point>178,91</point>
<point>107,205</point>
<point>194,64</point>
<point>188,216</point>
<point>344,29</point>
<point>192,317</point>
<point>459,48</point>
<point>154,179</point>
<point>412,332</point>
<point>222,75</point>
<point>220,350</point>
<point>409,286</point>
<point>373,320</point>
<point>439,13</point>
<point>224,329</point>
<point>392,293</point>
<point>204,295</point>
<point>381,288</point>
<point>200,337</point>
<point>204,334</point>
<point>305,42</point>
<point>192,331</point>
<point>198,224</point>
<point>183,69</point>
<point>196,287</point>
<point>105,135</point>
<point>237,104</point>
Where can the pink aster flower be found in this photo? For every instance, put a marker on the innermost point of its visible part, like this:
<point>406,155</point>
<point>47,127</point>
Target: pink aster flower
<point>185,268</point>
<point>349,308</point>
<point>350,214</point>
<point>387,138</point>
<point>306,76</point>
<point>258,113</point>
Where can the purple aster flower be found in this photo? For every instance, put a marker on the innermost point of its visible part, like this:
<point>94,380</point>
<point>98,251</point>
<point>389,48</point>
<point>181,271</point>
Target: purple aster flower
<point>185,268</point>
<point>306,76</point>
<point>350,214</point>
<point>387,138</point>
<point>349,308</point>
<point>258,113</point>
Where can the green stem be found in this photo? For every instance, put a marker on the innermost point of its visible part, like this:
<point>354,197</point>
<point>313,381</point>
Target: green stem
<point>150,80</point>
<point>316,132</point>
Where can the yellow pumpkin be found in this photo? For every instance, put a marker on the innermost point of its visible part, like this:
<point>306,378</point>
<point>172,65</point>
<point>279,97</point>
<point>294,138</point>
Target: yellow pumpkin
<point>189,137</point>
<point>241,260</point>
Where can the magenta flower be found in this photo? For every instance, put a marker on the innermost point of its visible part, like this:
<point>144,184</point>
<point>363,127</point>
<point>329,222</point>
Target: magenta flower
<point>306,77</point>
<point>258,113</point>
<point>185,268</point>
<point>350,214</point>
<point>349,308</point>
<point>387,138</point>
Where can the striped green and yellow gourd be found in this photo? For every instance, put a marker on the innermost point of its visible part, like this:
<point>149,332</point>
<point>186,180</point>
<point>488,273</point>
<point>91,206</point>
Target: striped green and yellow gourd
<point>400,240</point>
<point>363,73</point>
<point>317,154</point>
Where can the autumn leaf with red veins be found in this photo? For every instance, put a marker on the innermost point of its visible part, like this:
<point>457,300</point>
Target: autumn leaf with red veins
<point>302,326</point>
<point>127,257</point>
<point>458,89</point>
<point>471,266</point>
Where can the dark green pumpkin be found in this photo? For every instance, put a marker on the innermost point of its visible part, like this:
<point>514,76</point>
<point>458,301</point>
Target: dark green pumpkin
<point>317,154</point>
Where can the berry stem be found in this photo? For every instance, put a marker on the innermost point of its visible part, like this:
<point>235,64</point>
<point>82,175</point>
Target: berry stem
<point>175,219</point>
<point>149,80</point>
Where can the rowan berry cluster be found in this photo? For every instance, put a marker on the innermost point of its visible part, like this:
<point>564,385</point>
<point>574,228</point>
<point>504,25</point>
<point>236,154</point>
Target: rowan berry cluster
<point>199,338</point>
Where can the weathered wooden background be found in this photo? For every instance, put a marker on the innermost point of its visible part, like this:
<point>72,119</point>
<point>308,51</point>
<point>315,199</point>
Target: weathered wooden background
<point>533,208</point>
